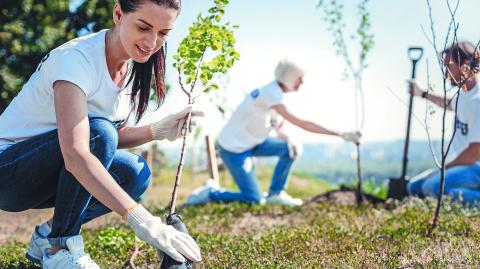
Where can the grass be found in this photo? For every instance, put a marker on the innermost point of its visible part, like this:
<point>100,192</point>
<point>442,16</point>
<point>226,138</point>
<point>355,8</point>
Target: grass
<point>313,236</point>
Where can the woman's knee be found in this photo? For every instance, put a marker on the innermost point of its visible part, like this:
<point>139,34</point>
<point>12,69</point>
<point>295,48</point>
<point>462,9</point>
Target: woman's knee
<point>143,178</point>
<point>253,197</point>
<point>136,173</point>
<point>103,135</point>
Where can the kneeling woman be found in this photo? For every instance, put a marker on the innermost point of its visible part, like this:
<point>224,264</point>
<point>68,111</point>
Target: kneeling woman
<point>59,138</point>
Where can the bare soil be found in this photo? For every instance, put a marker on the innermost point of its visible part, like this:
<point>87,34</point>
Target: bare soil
<point>344,196</point>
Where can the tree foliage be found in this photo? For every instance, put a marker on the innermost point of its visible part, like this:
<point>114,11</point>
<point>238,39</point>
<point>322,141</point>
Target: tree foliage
<point>207,33</point>
<point>333,16</point>
<point>30,29</point>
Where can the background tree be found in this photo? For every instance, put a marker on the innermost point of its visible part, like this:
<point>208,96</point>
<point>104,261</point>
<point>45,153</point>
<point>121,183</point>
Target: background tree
<point>91,16</point>
<point>333,16</point>
<point>28,30</point>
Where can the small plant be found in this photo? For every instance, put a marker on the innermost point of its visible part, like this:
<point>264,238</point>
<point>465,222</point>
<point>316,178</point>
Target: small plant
<point>205,35</point>
<point>208,50</point>
<point>334,18</point>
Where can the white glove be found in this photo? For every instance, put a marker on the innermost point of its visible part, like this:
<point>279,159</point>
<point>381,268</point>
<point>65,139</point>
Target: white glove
<point>414,89</point>
<point>171,126</point>
<point>161,236</point>
<point>352,137</point>
<point>295,148</point>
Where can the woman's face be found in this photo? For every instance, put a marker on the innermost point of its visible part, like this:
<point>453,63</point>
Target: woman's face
<point>454,73</point>
<point>298,83</point>
<point>144,31</point>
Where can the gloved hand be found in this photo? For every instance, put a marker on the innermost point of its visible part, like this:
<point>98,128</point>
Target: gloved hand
<point>414,89</point>
<point>161,236</point>
<point>171,126</point>
<point>295,148</point>
<point>353,137</point>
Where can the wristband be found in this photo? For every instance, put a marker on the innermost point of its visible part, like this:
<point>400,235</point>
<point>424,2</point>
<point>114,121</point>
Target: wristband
<point>125,216</point>
<point>424,94</point>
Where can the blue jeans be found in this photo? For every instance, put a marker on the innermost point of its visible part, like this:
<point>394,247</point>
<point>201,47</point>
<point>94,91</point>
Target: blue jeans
<point>460,181</point>
<point>242,168</point>
<point>33,175</point>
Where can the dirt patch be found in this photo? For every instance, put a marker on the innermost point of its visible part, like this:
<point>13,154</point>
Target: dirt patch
<point>251,223</point>
<point>344,196</point>
<point>19,226</point>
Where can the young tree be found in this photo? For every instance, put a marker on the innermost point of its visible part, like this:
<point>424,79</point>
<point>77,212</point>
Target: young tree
<point>451,39</point>
<point>333,16</point>
<point>208,50</point>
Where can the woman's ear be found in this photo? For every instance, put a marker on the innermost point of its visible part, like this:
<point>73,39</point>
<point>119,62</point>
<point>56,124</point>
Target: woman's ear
<point>117,14</point>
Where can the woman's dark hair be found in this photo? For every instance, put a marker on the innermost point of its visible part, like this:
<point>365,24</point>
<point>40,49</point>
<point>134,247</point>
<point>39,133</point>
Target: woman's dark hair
<point>464,53</point>
<point>141,73</point>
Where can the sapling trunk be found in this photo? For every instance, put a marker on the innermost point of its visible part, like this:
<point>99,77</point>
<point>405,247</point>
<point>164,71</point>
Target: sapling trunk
<point>178,176</point>
<point>359,193</point>
<point>173,218</point>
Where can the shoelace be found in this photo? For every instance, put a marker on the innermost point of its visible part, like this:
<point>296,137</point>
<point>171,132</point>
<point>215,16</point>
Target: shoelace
<point>86,262</point>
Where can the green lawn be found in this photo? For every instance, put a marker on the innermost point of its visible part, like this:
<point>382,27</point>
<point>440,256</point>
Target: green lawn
<point>313,236</point>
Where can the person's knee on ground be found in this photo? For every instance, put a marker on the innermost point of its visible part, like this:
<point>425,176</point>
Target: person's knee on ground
<point>253,197</point>
<point>414,187</point>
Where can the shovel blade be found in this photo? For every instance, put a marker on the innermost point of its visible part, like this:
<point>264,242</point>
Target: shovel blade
<point>397,188</point>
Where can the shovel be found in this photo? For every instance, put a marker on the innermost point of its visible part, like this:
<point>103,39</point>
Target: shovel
<point>168,263</point>
<point>397,187</point>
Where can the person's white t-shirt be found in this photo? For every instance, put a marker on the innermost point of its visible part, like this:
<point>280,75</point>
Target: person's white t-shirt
<point>467,123</point>
<point>80,61</point>
<point>252,121</point>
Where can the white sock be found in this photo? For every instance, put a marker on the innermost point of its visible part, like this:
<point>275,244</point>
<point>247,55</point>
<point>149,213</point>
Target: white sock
<point>44,229</point>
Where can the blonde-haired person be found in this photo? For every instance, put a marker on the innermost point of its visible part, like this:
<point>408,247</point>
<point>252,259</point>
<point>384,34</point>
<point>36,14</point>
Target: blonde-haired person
<point>246,135</point>
<point>462,175</point>
<point>59,138</point>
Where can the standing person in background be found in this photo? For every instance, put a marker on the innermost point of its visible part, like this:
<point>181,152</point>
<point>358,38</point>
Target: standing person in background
<point>246,135</point>
<point>59,138</point>
<point>462,175</point>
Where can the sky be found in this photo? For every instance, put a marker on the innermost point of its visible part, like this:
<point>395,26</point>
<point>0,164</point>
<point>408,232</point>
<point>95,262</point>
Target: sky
<point>272,29</point>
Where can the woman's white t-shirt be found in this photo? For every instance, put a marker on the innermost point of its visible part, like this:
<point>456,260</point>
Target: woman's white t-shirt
<point>467,121</point>
<point>80,61</point>
<point>252,121</point>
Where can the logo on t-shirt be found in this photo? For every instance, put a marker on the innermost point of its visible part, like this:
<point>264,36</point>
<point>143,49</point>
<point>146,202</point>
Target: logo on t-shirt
<point>462,126</point>
<point>254,94</point>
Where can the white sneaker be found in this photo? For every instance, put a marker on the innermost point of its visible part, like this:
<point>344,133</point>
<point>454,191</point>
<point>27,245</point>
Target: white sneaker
<point>283,198</point>
<point>73,258</point>
<point>37,246</point>
<point>201,194</point>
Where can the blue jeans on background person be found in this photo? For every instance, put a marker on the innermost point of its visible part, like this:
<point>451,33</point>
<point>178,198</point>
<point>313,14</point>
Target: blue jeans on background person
<point>460,181</point>
<point>242,169</point>
<point>33,176</point>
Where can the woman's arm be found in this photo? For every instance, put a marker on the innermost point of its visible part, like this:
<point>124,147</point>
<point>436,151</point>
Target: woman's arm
<point>73,134</point>
<point>129,137</point>
<point>415,90</point>
<point>306,125</point>
<point>467,157</point>
<point>169,128</point>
